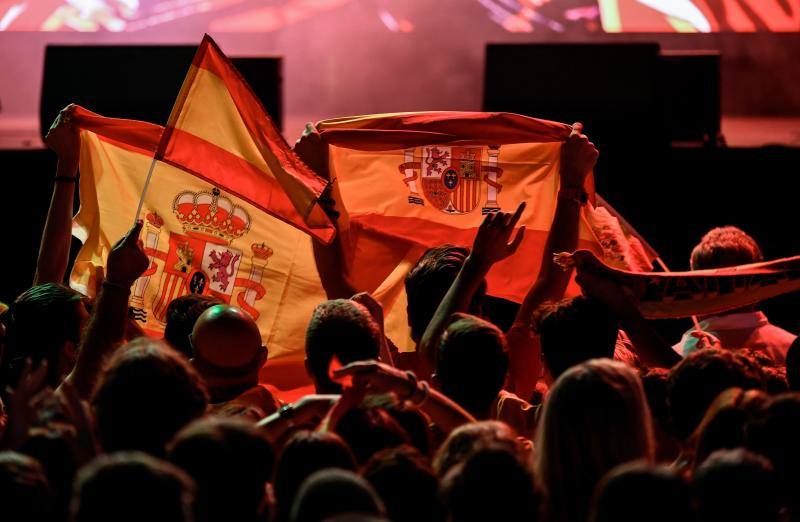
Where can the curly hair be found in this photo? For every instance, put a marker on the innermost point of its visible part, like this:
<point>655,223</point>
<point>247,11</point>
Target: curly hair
<point>725,246</point>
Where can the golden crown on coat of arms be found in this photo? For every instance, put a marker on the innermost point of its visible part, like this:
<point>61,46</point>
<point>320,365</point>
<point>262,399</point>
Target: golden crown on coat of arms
<point>211,215</point>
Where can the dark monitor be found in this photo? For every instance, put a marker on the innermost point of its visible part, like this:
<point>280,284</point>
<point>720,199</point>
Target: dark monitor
<point>608,87</point>
<point>690,89</point>
<point>139,82</point>
<point>621,92</point>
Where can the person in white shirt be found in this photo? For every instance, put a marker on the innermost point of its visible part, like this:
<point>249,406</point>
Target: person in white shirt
<point>742,328</point>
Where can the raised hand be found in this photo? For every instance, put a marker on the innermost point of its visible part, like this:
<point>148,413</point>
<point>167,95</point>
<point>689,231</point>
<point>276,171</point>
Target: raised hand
<point>313,151</point>
<point>378,378</point>
<point>127,260</point>
<point>578,158</point>
<point>79,415</point>
<point>598,285</point>
<point>311,409</point>
<point>492,241</point>
<point>64,138</point>
<point>22,403</point>
<point>705,340</point>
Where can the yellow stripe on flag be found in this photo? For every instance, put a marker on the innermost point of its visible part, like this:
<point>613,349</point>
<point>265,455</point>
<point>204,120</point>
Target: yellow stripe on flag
<point>112,177</point>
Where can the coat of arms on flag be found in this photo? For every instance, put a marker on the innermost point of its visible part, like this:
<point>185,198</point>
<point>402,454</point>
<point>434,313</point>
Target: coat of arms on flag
<point>452,177</point>
<point>224,180</point>
<point>206,258</point>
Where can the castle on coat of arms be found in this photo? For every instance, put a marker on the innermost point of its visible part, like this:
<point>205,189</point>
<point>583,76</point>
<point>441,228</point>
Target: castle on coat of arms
<point>451,178</point>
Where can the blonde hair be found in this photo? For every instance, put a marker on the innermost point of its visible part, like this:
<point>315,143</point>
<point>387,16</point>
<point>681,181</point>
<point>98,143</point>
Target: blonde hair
<point>595,418</point>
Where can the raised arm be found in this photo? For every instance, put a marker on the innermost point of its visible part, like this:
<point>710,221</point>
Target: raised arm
<point>106,329</point>
<point>648,344</point>
<point>578,158</point>
<point>306,413</point>
<point>64,139</point>
<point>490,246</point>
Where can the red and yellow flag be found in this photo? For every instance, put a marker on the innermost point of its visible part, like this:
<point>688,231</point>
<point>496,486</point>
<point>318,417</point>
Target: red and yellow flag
<point>200,238</point>
<point>406,182</point>
<point>219,131</point>
<point>228,211</point>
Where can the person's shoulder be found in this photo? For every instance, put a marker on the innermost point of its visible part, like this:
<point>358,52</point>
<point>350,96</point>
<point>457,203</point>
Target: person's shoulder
<point>780,335</point>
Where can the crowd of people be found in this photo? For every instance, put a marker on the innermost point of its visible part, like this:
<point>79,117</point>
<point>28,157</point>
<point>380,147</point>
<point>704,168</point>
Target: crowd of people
<point>579,412</point>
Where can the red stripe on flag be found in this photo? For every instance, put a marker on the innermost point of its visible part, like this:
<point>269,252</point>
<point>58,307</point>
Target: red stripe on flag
<point>238,177</point>
<point>194,155</point>
<point>165,297</point>
<point>252,112</point>
<point>136,136</point>
<point>377,237</point>
<point>418,129</point>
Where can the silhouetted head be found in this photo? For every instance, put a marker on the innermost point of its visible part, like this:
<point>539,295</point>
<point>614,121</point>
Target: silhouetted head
<point>332,492</point>
<point>725,246</point>
<point>343,329</point>
<point>491,484</point>
<point>227,350</point>
<point>696,381</point>
<point>402,473</point>
<point>231,462</point>
<point>182,314</point>
<point>44,323</point>
<point>471,363</point>
<point>24,491</point>
<point>147,393</point>
<point>724,424</point>
<point>736,486</point>
<point>639,491</point>
<point>575,330</point>
<point>428,282</point>
<point>774,433</point>
<point>54,448</point>
<point>467,438</point>
<point>305,453</point>
<point>595,418</point>
<point>132,487</point>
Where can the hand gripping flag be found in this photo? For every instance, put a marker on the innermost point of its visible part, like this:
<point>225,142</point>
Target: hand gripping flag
<point>406,182</point>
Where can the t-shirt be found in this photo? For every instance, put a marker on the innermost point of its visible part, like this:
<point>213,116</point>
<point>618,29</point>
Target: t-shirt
<point>746,330</point>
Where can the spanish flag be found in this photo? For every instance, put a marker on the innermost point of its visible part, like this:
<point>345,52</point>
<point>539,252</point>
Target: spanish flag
<point>219,131</point>
<point>406,182</point>
<point>200,238</point>
<point>229,210</point>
